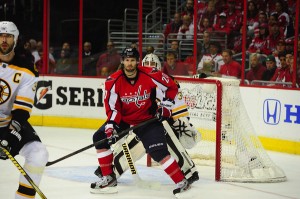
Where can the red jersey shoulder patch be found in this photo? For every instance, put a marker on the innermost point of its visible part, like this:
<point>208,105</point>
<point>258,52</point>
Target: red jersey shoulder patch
<point>148,70</point>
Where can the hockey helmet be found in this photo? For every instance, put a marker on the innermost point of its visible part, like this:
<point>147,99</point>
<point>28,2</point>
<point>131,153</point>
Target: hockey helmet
<point>151,60</point>
<point>9,27</point>
<point>131,52</point>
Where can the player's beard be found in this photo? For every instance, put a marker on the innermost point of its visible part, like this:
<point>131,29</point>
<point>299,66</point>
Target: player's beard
<point>130,72</point>
<point>6,51</point>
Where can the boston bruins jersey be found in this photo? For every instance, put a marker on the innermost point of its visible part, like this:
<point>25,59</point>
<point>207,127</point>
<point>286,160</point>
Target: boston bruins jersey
<point>17,91</point>
<point>179,109</point>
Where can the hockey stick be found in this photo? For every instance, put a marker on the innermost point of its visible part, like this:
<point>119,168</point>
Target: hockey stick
<point>24,173</point>
<point>100,142</point>
<point>138,181</point>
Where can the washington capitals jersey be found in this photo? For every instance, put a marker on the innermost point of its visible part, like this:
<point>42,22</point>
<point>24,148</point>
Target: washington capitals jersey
<point>17,90</point>
<point>130,100</point>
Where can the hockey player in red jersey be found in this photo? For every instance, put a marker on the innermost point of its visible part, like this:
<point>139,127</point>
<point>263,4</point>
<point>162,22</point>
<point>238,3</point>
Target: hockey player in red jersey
<point>17,89</point>
<point>181,137</point>
<point>130,100</point>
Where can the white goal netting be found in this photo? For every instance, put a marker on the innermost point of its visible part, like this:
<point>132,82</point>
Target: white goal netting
<point>239,152</point>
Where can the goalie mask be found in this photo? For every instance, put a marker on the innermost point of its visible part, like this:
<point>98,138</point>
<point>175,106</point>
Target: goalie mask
<point>151,60</point>
<point>8,27</point>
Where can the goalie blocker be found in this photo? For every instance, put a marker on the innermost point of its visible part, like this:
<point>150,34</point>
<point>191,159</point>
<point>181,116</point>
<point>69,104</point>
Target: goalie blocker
<point>174,146</point>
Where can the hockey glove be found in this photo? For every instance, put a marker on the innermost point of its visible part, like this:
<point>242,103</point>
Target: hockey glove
<point>10,139</point>
<point>186,133</point>
<point>111,133</point>
<point>15,125</point>
<point>164,110</point>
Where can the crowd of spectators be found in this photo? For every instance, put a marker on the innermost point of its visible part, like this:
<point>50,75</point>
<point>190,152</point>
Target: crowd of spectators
<point>269,39</point>
<point>269,29</point>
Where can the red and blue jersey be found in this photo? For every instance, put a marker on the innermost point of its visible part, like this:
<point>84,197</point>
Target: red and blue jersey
<point>131,100</point>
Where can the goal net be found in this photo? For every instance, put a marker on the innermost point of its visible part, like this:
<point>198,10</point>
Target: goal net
<point>229,141</point>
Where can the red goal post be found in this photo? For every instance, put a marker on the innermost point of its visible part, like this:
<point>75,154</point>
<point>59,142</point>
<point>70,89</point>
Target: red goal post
<point>228,139</point>
<point>212,86</point>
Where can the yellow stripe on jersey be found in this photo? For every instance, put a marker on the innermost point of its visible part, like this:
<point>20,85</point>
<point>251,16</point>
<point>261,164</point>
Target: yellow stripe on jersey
<point>175,117</point>
<point>4,124</point>
<point>24,99</point>
<point>21,69</point>
<point>23,103</point>
<point>6,118</point>
<point>179,108</point>
<point>5,121</point>
<point>26,185</point>
<point>180,111</point>
<point>25,108</point>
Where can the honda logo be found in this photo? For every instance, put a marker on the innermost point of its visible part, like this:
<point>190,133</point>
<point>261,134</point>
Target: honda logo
<point>271,111</point>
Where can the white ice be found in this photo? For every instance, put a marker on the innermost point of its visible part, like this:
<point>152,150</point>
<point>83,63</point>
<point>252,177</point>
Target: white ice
<point>71,178</point>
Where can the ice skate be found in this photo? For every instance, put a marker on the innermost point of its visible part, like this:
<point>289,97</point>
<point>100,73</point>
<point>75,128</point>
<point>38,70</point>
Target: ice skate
<point>107,184</point>
<point>193,178</point>
<point>181,187</point>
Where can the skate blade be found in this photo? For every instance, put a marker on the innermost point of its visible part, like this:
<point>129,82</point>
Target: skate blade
<point>106,190</point>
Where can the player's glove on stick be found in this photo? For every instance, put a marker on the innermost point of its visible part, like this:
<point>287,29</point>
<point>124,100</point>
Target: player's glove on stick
<point>164,110</point>
<point>11,138</point>
<point>111,133</point>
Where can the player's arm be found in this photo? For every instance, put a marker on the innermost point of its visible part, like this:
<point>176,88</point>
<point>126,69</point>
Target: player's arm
<point>166,84</point>
<point>24,100</point>
<point>112,107</point>
<point>112,102</point>
<point>21,110</point>
<point>169,89</point>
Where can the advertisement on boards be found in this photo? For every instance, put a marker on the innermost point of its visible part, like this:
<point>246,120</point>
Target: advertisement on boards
<point>273,112</point>
<point>70,97</point>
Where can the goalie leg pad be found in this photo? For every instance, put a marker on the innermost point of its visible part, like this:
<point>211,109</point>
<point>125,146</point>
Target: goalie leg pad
<point>180,154</point>
<point>182,157</point>
<point>137,151</point>
<point>120,164</point>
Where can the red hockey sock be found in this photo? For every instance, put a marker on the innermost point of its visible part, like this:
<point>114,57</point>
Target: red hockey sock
<point>173,170</point>
<point>105,159</point>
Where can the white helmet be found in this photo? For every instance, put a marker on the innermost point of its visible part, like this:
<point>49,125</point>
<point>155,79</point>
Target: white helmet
<point>151,60</point>
<point>9,27</point>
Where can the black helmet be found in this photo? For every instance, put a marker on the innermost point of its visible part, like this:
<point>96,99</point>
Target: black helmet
<point>130,52</point>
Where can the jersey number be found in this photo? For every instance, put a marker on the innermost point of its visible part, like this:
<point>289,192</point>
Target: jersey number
<point>165,78</point>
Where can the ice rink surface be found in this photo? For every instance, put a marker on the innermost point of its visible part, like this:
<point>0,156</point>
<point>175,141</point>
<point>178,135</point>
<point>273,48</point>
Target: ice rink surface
<point>71,178</point>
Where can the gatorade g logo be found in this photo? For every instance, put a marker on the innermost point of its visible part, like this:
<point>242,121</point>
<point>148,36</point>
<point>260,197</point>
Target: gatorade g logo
<point>43,98</point>
<point>271,111</point>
